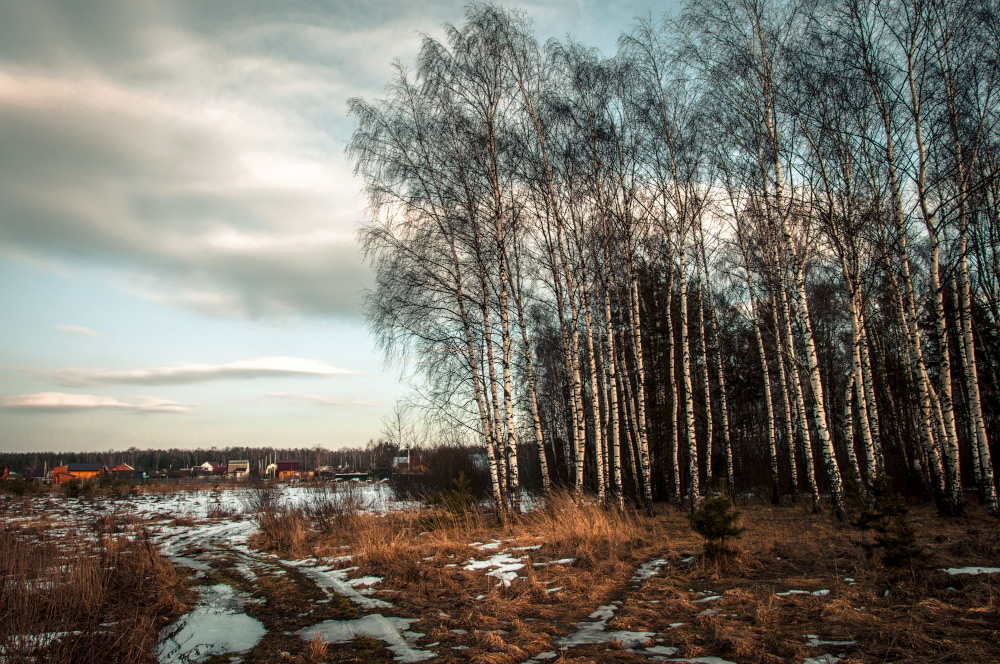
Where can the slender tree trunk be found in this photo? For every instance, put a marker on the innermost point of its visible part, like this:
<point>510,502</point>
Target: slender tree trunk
<point>536,420</point>
<point>640,379</point>
<point>809,466</point>
<point>600,408</point>
<point>727,444</point>
<point>706,383</point>
<point>783,388</point>
<point>852,456</point>
<point>688,391</point>
<point>756,322</point>
<point>674,397</point>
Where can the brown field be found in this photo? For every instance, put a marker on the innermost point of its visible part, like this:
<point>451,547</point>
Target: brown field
<point>110,591</point>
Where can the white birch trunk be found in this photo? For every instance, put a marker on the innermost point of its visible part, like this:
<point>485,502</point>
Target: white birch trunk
<point>706,383</point>
<point>688,391</point>
<point>727,443</point>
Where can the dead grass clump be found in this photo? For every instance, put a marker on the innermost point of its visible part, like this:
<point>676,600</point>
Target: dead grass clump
<point>384,546</point>
<point>76,598</point>
<point>498,649</point>
<point>335,507</point>
<point>316,650</point>
<point>283,530</point>
<point>574,525</point>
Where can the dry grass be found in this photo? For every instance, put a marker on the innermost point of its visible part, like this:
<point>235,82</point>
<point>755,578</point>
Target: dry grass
<point>421,555</point>
<point>75,598</point>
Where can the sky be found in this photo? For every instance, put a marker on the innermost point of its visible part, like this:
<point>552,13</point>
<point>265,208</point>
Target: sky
<point>178,256</point>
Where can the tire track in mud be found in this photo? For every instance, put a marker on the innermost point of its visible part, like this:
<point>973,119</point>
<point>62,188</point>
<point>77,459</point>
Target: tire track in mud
<point>253,606</point>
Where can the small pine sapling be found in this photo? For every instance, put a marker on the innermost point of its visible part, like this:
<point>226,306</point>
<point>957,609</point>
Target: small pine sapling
<point>887,518</point>
<point>716,522</point>
<point>459,499</point>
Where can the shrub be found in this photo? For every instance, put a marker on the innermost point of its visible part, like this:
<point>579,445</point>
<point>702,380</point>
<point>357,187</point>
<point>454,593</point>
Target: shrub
<point>888,519</point>
<point>716,522</point>
<point>335,507</point>
<point>20,487</point>
<point>459,498</point>
<point>77,489</point>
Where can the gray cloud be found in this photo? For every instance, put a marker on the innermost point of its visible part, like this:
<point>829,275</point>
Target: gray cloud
<point>68,403</point>
<point>322,400</point>
<point>186,143</point>
<point>262,367</point>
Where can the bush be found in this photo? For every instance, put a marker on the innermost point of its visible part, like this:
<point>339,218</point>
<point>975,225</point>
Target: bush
<point>334,507</point>
<point>460,498</point>
<point>716,522</point>
<point>888,519</point>
<point>20,487</point>
<point>77,489</point>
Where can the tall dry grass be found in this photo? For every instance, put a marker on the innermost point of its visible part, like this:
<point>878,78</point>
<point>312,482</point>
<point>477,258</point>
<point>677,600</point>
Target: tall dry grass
<point>83,598</point>
<point>576,526</point>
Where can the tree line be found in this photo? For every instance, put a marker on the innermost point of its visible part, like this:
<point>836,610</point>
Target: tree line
<point>755,247</point>
<point>377,455</point>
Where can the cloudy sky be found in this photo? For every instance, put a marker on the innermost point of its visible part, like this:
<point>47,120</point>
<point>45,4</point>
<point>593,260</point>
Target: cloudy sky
<point>178,264</point>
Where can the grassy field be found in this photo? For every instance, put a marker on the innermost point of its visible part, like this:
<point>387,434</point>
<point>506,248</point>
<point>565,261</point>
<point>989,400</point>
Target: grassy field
<point>568,581</point>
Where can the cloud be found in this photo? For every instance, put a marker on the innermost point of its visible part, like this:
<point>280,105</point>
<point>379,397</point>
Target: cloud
<point>197,149</point>
<point>323,400</point>
<point>263,367</point>
<point>63,402</point>
<point>77,329</point>
<point>207,166</point>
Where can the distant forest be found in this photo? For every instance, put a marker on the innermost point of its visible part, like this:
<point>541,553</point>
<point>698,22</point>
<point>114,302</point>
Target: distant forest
<point>756,247</point>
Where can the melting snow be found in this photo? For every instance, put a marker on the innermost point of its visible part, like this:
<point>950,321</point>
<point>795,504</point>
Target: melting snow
<point>501,566</point>
<point>813,641</point>
<point>972,570</point>
<point>596,632</point>
<point>648,570</point>
<point>822,659</point>
<point>814,593</point>
<point>392,631</point>
<point>561,561</point>
<point>328,578</point>
<point>218,626</point>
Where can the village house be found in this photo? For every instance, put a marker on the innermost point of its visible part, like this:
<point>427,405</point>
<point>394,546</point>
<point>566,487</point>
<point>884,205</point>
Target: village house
<point>123,471</point>
<point>407,463</point>
<point>287,469</point>
<point>211,468</point>
<point>239,468</point>
<point>77,471</point>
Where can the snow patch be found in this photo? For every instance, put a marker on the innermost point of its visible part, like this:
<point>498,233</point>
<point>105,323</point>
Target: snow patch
<point>814,593</point>
<point>501,566</point>
<point>648,570</point>
<point>971,570</point>
<point>391,631</point>
<point>596,632</point>
<point>216,627</point>
<point>335,580</point>
<point>813,641</point>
